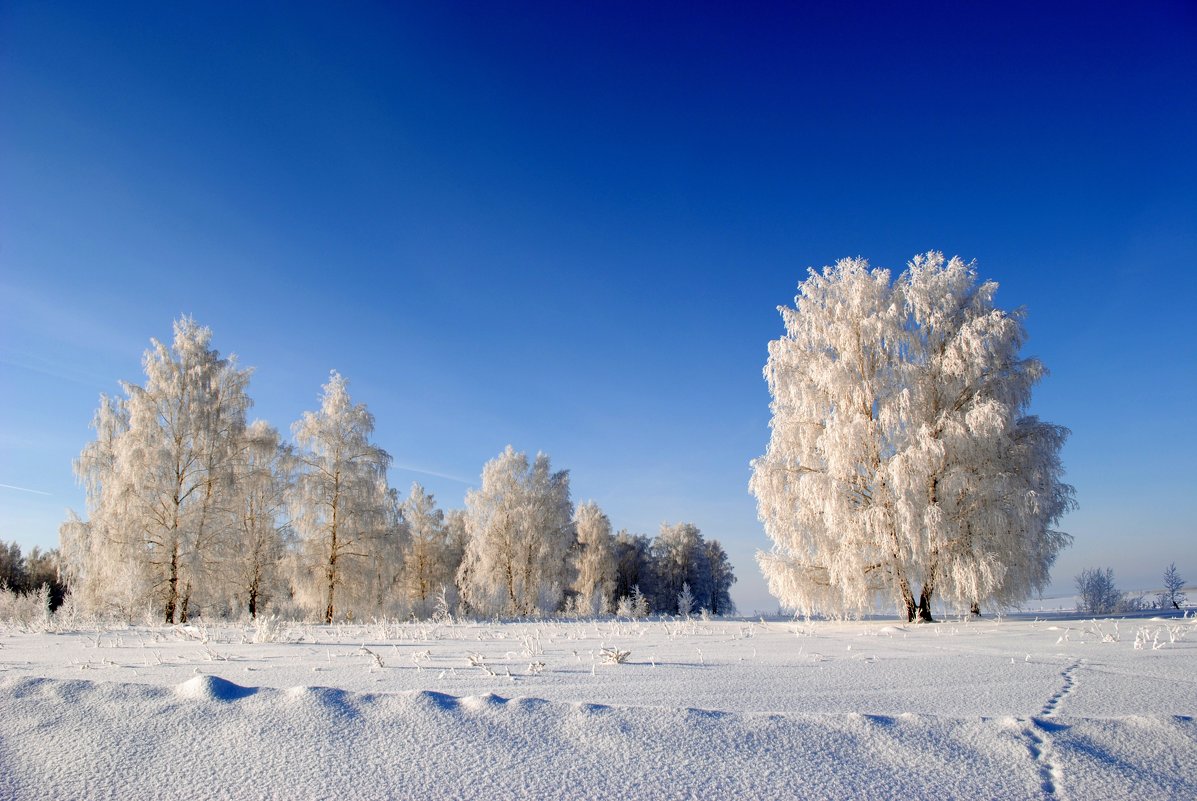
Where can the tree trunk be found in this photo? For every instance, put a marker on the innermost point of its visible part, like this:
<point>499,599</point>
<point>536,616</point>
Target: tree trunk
<point>907,596</point>
<point>924,610</point>
<point>332,583</point>
<point>172,585</point>
<point>331,575</point>
<point>186,604</point>
<point>253,599</point>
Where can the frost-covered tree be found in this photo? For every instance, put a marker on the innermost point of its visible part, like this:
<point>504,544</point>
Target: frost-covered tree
<point>28,573</point>
<point>520,529</point>
<point>680,559</point>
<point>456,538</point>
<point>261,488</point>
<point>633,565</point>
<point>1172,597</point>
<point>159,477</point>
<point>12,567</point>
<point>1096,592</point>
<point>633,605</point>
<point>594,559</point>
<point>721,578</point>
<point>342,509</point>
<point>102,567</point>
<point>902,464</point>
<point>427,559</point>
<point>685,600</point>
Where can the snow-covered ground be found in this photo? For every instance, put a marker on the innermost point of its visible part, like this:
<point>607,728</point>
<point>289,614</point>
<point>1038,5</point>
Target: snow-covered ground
<point>1064,708</point>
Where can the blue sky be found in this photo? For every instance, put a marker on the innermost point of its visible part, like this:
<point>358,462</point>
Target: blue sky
<point>568,226</point>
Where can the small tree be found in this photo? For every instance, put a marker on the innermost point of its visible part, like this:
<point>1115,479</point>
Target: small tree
<point>685,601</point>
<point>1096,593</point>
<point>1172,597</point>
<point>634,605</point>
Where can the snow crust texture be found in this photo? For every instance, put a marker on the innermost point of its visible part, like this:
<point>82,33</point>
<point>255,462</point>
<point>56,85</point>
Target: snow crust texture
<point>715,709</point>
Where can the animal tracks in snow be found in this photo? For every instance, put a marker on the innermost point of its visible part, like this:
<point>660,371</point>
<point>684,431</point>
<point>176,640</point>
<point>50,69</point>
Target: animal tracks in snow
<point>1067,674</point>
<point>1038,732</point>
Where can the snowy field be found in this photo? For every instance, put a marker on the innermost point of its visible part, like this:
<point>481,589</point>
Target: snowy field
<point>1021,708</point>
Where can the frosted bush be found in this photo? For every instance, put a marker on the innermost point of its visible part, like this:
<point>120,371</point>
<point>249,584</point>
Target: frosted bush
<point>267,629</point>
<point>30,609</point>
<point>614,656</point>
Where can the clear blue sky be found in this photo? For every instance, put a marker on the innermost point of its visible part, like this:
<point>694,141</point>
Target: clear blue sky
<point>568,226</point>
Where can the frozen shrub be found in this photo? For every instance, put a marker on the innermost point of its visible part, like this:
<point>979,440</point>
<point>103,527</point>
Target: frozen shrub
<point>25,608</point>
<point>685,601</point>
<point>634,606</point>
<point>1096,593</point>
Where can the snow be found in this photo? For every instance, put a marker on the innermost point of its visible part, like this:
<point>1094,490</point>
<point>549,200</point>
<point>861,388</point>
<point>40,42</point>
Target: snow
<point>1019,708</point>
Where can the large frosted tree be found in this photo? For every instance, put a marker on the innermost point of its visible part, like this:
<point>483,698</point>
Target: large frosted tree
<point>519,522</point>
<point>159,480</point>
<point>344,513</point>
<point>902,464</point>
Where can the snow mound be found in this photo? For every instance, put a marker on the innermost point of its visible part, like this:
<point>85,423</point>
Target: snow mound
<point>476,702</point>
<point>213,688</point>
<point>891,630</point>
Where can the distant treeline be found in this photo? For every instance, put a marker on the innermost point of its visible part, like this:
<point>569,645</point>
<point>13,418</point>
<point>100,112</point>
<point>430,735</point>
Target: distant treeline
<point>25,574</point>
<point>191,509</point>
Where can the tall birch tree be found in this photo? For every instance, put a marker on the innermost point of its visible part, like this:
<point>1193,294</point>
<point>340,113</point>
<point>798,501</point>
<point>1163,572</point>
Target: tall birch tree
<point>594,559</point>
<point>341,506</point>
<point>261,488</point>
<point>428,561</point>
<point>159,478</point>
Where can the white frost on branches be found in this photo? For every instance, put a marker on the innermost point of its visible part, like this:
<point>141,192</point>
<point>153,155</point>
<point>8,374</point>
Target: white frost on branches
<point>595,560</point>
<point>901,454</point>
<point>520,529</point>
<point>344,512</point>
<point>159,480</point>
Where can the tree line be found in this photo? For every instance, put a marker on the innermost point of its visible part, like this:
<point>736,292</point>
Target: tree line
<point>25,574</point>
<point>191,508</point>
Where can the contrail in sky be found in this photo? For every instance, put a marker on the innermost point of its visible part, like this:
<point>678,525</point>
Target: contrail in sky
<point>23,489</point>
<point>422,471</point>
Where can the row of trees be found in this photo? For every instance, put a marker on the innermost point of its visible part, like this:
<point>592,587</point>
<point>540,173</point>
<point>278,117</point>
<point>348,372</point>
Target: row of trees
<point>903,466</point>
<point>27,573</point>
<point>190,507</point>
